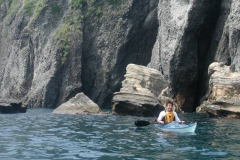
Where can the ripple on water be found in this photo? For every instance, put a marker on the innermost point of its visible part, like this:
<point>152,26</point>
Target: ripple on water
<point>39,134</point>
<point>214,153</point>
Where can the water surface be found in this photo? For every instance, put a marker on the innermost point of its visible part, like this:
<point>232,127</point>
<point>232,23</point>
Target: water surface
<point>39,134</point>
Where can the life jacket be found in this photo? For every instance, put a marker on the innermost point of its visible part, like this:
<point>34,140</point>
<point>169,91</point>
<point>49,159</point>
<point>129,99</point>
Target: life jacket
<point>169,117</point>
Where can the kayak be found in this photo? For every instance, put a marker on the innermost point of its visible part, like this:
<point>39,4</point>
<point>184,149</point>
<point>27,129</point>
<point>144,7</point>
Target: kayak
<point>176,127</point>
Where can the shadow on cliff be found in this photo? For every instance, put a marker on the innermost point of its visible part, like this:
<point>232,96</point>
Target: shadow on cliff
<point>133,37</point>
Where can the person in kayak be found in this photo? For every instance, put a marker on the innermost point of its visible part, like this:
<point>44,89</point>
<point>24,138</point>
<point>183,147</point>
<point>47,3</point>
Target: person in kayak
<point>169,115</point>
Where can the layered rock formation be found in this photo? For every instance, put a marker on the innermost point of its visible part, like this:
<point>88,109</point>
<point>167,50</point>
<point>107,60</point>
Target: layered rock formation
<point>80,104</point>
<point>139,92</point>
<point>224,92</point>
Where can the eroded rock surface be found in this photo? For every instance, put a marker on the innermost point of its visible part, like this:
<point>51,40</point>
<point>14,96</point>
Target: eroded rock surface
<point>11,106</point>
<point>184,35</point>
<point>224,92</point>
<point>139,92</point>
<point>52,49</point>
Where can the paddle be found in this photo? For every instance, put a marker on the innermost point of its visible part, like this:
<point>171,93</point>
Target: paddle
<point>142,123</point>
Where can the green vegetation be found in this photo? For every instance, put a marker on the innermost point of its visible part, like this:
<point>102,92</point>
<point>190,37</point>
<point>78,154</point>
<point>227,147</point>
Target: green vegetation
<point>97,6</point>
<point>6,32</point>
<point>39,6</point>
<point>72,25</point>
<point>105,74</point>
<point>76,4</point>
<point>115,2</point>
<point>75,20</point>
<point>11,8</point>
<point>33,7</point>
<point>55,8</point>
<point>98,11</point>
<point>29,7</point>
<point>63,34</point>
<point>2,1</point>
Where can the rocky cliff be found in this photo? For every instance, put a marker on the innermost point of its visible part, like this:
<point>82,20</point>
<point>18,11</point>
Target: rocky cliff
<point>41,50</point>
<point>191,35</point>
<point>52,49</point>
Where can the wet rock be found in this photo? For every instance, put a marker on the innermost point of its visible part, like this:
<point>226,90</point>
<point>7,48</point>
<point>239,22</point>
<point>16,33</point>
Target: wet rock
<point>224,92</point>
<point>11,106</point>
<point>139,92</point>
<point>80,104</point>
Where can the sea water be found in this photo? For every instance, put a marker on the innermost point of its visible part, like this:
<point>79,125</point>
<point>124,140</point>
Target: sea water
<point>39,134</point>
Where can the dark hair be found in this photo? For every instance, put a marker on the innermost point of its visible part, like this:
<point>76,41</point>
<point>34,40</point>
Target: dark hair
<point>169,102</point>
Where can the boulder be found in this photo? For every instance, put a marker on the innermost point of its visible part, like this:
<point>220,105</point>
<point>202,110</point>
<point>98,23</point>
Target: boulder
<point>139,92</point>
<point>80,104</point>
<point>224,92</point>
<point>11,106</point>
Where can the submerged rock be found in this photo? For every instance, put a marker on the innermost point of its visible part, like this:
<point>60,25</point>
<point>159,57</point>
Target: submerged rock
<point>139,92</point>
<point>224,89</point>
<point>11,106</point>
<point>80,104</point>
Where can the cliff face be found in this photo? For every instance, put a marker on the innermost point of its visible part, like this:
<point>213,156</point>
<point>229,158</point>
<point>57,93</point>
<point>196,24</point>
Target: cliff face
<point>184,34</point>
<point>191,35</point>
<point>122,33</point>
<point>41,50</point>
<point>52,49</point>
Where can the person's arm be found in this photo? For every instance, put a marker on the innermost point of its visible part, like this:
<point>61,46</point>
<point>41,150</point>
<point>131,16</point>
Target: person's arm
<point>177,119</point>
<point>160,117</point>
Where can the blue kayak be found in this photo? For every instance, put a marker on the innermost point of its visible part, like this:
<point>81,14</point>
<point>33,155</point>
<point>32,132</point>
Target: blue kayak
<point>176,127</point>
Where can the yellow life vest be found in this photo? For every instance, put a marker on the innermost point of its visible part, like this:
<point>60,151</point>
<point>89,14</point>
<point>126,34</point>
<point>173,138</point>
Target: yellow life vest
<point>169,117</point>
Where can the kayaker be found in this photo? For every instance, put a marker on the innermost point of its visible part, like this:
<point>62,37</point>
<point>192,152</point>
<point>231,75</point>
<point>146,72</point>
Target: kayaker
<point>169,115</point>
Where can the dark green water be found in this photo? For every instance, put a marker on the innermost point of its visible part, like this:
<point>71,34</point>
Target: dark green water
<point>39,134</point>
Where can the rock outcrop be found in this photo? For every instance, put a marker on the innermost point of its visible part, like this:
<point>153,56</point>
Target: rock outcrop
<point>139,92</point>
<point>184,34</point>
<point>11,106</point>
<point>40,51</point>
<point>225,43</point>
<point>122,33</point>
<point>224,92</point>
<point>50,50</point>
<point>80,104</point>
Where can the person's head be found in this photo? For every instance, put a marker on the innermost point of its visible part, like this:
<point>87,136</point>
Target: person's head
<point>169,106</point>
